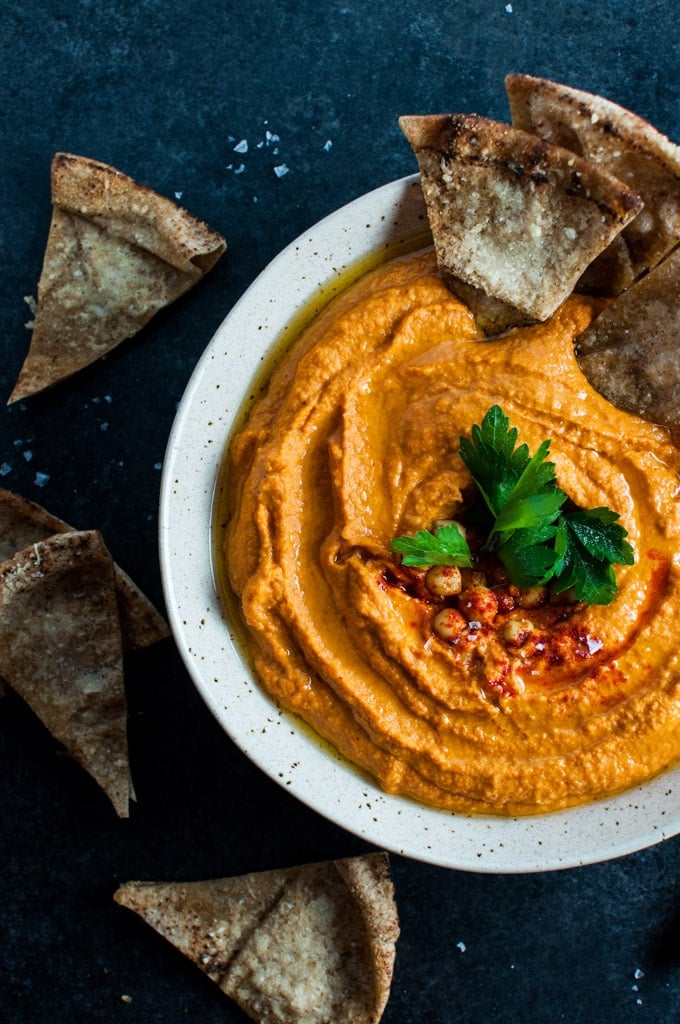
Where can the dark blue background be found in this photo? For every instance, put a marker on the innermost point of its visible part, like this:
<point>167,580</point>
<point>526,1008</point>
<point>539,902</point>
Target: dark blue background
<point>164,91</point>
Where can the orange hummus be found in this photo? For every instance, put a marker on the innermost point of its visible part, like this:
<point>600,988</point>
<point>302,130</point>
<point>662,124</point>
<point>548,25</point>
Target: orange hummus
<point>356,442</point>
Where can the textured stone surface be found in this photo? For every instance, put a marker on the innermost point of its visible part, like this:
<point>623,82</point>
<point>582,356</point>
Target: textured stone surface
<point>166,91</point>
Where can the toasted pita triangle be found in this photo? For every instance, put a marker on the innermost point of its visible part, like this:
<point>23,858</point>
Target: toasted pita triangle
<point>23,522</point>
<point>314,943</point>
<point>515,218</point>
<point>624,144</point>
<point>631,353</point>
<point>116,253</point>
<point>60,650</point>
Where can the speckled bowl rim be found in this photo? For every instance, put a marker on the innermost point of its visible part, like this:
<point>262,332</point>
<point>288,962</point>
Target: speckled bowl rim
<point>207,640</point>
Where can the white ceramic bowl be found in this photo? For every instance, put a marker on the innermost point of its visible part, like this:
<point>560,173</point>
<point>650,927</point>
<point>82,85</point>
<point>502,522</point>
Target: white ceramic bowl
<point>308,268</point>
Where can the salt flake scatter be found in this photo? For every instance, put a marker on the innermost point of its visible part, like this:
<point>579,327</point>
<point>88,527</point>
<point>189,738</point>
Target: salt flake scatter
<point>638,973</point>
<point>178,195</point>
<point>240,169</point>
<point>241,147</point>
<point>103,426</point>
<point>280,170</point>
<point>271,138</point>
<point>5,468</point>
<point>28,455</point>
<point>327,145</point>
<point>461,946</point>
<point>158,465</point>
<point>18,443</point>
<point>508,8</point>
<point>41,479</point>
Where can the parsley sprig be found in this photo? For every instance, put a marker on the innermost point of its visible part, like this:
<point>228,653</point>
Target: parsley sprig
<point>535,533</point>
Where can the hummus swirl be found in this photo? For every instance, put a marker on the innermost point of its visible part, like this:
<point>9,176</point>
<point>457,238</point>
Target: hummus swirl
<point>356,442</point>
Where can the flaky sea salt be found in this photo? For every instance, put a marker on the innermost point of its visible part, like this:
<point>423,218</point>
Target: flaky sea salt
<point>5,468</point>
<point>280,170</point>
<point>41,479</point>
<point>241,147</point>
<point>327,145</point>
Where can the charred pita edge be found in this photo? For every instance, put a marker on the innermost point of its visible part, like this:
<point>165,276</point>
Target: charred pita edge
<point>116,253</point>
<point>222,925</point>
<point>24,522</point>
<point>134,212</point>
<point>625,144</point>
<point>630,352</point>
<point>511,215</point>
<point>61,651</point>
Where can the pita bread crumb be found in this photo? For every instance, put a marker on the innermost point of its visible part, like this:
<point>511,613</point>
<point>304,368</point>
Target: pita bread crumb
<point>512,216</point>
<point>630,353</point>
<point>24,522</point>
<point>308,945</point>
<point>116,253</point>
<point>61,651</point>
<point>624,144</point>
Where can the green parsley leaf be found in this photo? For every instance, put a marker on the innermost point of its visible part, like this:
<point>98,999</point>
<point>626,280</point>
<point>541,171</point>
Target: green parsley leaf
<point>529,556</point>
<point>532,512</point>
<point>492,458</point>
<point>447,546</point>
<point>599,531</point>
<point>588,543</point>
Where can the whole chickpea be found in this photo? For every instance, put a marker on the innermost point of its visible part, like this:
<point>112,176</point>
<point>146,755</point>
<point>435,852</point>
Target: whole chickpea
<point>532,597</point>
<point>444,580</point>
<point>478,604</point>
<point>448,624</point>
<point>516,632</point>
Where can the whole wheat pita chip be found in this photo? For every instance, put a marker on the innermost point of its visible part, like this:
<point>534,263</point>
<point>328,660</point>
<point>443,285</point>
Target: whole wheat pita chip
<point>116,253</point>
<point>60,650</point>
<point>313,944</point>
<point>631,353</point>
<point>512,216</point>
<point>623,143</point>
<point>23,522</point>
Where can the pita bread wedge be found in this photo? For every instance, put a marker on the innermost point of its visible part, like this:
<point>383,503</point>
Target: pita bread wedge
<point>513,217</point>
<point>116,253</point>
<point>23,522</point>
<point>624,144</point>
<point>630,353</point>
<point>60,650</point>
<point>313,944</point>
